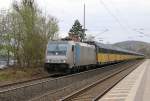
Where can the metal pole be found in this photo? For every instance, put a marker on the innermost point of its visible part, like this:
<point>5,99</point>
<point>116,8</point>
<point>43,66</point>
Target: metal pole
<point>84,23</point>
<point>84,17</point>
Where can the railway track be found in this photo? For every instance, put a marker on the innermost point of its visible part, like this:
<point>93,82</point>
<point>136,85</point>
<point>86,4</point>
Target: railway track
<point>63,93</point>
<point>94,91</point>
<point>27,90</point>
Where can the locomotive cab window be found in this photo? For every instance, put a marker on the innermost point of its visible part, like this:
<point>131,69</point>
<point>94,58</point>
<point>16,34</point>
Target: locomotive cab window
<point>57,49</point>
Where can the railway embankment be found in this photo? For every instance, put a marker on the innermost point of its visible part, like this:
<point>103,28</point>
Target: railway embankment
<point>57,87</point>
<point>14,75</point>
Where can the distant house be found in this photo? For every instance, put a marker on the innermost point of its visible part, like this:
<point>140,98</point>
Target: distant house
<point>73,37</point>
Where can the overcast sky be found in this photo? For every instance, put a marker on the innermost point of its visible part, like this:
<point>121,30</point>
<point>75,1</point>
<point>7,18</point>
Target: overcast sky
<point>108,20</point>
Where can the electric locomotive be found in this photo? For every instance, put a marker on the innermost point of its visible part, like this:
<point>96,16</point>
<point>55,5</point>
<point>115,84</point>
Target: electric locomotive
<point>69,55</point>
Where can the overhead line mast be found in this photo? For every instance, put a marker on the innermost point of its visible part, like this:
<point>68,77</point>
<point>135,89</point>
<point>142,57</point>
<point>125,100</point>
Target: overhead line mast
<point>84,19</point>
<point>84,29</point>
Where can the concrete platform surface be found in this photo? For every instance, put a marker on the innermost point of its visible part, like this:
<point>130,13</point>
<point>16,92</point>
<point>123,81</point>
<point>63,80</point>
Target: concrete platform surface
<point>134,87</point>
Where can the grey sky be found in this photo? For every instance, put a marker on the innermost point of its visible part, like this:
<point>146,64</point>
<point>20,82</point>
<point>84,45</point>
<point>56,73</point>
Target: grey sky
<point>120,20</point>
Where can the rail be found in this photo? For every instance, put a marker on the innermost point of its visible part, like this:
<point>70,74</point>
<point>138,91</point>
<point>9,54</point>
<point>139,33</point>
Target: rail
<point>57,94</point>
<point>83,95</point>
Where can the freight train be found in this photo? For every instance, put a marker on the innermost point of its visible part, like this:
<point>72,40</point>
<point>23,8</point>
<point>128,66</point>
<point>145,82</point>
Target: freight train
<point>68,56</point>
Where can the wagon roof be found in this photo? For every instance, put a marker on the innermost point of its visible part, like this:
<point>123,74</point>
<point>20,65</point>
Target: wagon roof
<point>115,48</point>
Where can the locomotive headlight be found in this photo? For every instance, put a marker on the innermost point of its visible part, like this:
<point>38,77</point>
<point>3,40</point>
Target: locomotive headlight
<point>63,61</point>
<point>48,60</point>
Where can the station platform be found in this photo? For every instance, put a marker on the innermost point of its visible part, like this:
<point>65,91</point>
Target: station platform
<point>134,87</point>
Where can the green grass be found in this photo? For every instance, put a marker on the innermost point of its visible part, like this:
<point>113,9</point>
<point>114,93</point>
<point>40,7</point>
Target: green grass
<point>3,76</point>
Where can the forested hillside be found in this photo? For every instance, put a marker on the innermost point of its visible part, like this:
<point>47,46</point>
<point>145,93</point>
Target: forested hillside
<point>136,46</point>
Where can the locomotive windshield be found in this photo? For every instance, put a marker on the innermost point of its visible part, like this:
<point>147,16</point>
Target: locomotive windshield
<point>57,49</point>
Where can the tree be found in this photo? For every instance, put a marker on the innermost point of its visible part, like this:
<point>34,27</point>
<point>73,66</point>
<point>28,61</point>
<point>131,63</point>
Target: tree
<point>77,30</point>
<point>28,33</point>
<point>36,31</point>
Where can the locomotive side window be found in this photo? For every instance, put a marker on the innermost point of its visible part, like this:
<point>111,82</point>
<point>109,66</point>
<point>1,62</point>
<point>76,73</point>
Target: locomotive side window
<point>72,47</point>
